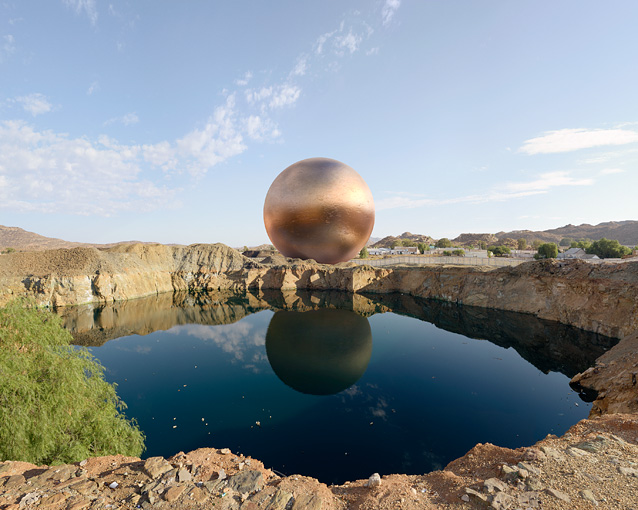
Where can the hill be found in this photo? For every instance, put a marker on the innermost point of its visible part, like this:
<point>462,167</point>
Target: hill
<point>23,240</point>
<point>625,232</point>
<point>386,242</point>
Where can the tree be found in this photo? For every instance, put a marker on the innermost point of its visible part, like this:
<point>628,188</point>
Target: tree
<point>447,253</point>
<point>608,249</point>
<point>547,251</point>
<point>582,243</point>
<point>394,244</point>
<point>483,245</point>
<point>458,253</point>
<point>56,405</point>
<point>536,244</point>
<point>565,241</point>
<point>408,242</point>
<point>444,242</point>
<point>422,247</point>
<point>500,251</point>
<point>522,243</point>
<point>363,254</point>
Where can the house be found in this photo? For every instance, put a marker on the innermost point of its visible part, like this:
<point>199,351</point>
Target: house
<point>576,253</point>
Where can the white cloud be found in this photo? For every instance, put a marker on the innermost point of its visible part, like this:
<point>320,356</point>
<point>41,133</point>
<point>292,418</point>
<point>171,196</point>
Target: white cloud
<point>94,87</point>
<point>300,67</point>
<point>88,6</point>
<point>127,119</point>
<point>45,172</point>
<point>259,129</point>
<point>217,141</point>
<point>321,40</point>
<point>285,95</point>
<point>254,96</point>
<point>242,82</point>
<point>501,193</point>
<point>35,104</point>
<point>611,171</point>
<point>566,140</point>
<point>8,47</point>
<point>388,11</point>
<point>350,41</point>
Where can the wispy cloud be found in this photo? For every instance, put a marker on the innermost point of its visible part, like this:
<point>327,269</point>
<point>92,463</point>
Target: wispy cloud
<point>45,172</point>
<point>127,119</point>
<point>500,193</point>
<point>35,104</point>
<point>243,81</point>
<point>349,41</point>
<point>89,7</point>
<point>611,171</point>
<point>389,10</point>
<point>94,87</point>
<point>567,140</point>
<point>7,47</point>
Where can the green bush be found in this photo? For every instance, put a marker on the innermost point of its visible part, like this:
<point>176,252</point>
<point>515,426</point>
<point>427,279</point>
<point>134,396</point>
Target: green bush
<point>547,251</point>
<point>444,242</point>
<point>608,249</point>
<point>500,251</point>
<point>55,406</point>
<point>458,253</point>
<point>447,253</point>
<point>363,254</point>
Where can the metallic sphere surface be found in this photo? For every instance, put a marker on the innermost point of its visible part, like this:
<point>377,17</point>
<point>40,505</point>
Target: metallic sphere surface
<point>319,209</point>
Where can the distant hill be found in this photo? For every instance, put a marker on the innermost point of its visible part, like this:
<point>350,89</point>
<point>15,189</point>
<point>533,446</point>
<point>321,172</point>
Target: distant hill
<point>23,240</point>
<point>386,242</point>
<point>625,232</point>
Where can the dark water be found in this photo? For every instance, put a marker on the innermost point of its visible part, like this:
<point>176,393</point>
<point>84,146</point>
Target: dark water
<point>338,394</point>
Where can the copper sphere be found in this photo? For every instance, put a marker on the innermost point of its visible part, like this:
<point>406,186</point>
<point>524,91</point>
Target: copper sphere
<point>320,209</point>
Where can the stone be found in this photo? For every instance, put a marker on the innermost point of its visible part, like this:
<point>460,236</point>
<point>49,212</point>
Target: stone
<point>553,453</point>
<point>588,495</point>
<point>592,446</point>
<point>156,466</point>
<point>56,499</point>
<point>533,484</point>
<point>502,501</point>
<point>627,471</point>
<point>534,454</point>
<point>465,498</point>
<point>494,484</point>
<point>246,482</point>
<point>279,500</point>
<point>198,495</point>
<point>183,475</point>
<point>84,487</point>
<point>78,504</point>
<point>529,467</point>
<point>214,486</point>
<point>30,499</point>
<point>476,494</point>
<point>528,500</point>
<point>559,495</point>
<point>307,502</point>
<point>509,472</point>
<point>225,451</point>
<point>173,493</point>
<point>14,481</point>
<point>374,480</point>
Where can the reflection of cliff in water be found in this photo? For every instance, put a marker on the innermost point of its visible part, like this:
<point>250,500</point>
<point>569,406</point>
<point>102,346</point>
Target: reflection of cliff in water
<point>319,352</point>
<point>549,346</point>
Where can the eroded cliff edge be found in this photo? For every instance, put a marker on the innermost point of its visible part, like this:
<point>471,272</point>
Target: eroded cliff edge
<point>600,298</point>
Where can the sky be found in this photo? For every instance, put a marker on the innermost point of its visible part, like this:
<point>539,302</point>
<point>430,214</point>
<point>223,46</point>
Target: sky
<point>167,121</point>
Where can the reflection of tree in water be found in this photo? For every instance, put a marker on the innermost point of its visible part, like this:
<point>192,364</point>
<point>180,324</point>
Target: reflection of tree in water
<point>549,346</point>
<point>319,352</point>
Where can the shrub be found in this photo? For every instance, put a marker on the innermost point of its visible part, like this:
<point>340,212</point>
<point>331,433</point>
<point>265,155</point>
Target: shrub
<point>458,253</point>
<point>447,253</point>
<point>444,242</point>
<point>363,254</point>
<point>608,249</point>
<point>500,251</point>
<point>547,251</point>
<point>55,406</point>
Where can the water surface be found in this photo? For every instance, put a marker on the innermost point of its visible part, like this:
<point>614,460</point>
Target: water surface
<point>334,385</point>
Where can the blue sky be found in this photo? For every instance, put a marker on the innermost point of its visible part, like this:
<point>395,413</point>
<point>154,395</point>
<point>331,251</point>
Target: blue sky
<point>168,121</point>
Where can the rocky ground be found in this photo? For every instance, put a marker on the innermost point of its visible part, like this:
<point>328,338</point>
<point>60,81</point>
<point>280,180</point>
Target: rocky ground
<point>595,464</point>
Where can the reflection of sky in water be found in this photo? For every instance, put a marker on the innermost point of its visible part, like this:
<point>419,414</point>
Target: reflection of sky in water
<point>426,397</point>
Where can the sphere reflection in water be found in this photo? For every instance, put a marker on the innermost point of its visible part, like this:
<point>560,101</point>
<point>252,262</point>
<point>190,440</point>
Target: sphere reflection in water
<point>319,352</point>
<point>320,209</point>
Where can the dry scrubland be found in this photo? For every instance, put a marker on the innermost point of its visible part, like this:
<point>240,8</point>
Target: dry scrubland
<point>593,465</point>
